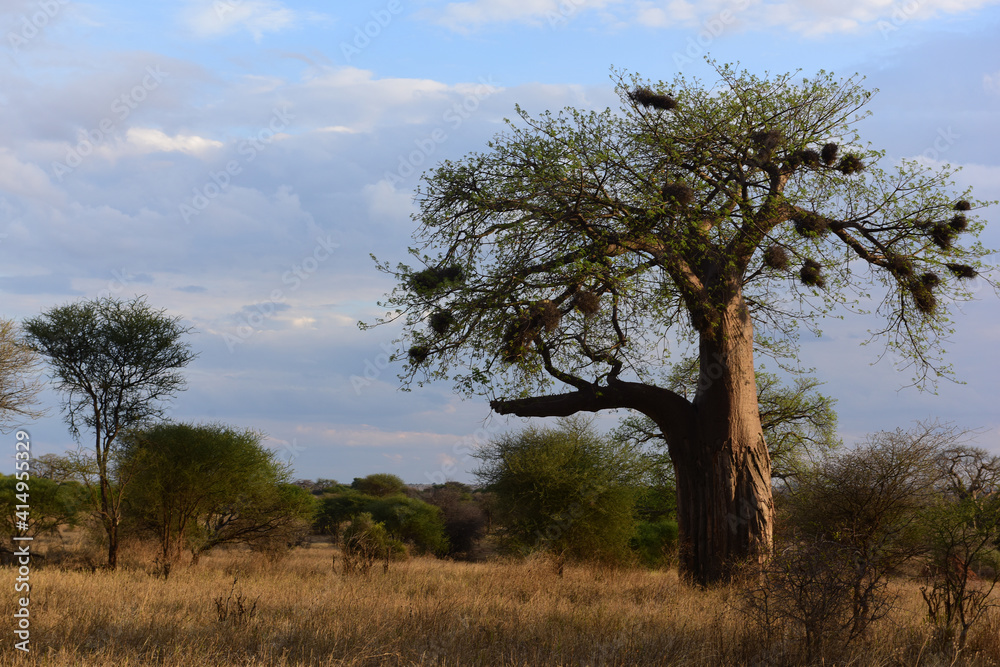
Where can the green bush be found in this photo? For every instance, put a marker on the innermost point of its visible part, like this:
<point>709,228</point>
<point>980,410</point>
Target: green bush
<point>407,519</point>
<point>566,490</point>
<point>337,509</point>
<point>52,504</point>
<point>380,485</point>
<point>412,521</point>
<point>366,542</point>
<point>655,542</point>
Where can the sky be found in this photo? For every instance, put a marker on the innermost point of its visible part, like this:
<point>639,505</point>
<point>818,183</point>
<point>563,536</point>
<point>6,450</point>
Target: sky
<point>237,162</point>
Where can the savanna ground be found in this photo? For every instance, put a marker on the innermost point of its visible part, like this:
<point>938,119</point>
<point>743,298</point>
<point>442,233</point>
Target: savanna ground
<point>424,611</point>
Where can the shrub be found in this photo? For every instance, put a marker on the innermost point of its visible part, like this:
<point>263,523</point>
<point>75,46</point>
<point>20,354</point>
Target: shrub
<point>379,485</point>
<point>407,519</point>
<point>464,517</point>
<point>963,533</point>
<point>655,543</point>
<point>565,490</point>
<point>811,589</point>
<point>366,541</point>
<point>411,520</point>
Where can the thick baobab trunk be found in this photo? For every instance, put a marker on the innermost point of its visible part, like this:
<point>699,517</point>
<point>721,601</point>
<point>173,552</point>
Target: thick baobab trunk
<point>721,462</point>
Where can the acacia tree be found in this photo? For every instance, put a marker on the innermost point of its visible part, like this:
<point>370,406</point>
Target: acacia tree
<point>559,262</point>
<point>116,363</point>
<point>182,470</point>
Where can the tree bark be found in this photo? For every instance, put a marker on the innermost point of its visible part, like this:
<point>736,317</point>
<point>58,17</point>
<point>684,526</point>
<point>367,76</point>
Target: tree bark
<point>112,528</point>
<point>721,462</point>
<point>110,521</point>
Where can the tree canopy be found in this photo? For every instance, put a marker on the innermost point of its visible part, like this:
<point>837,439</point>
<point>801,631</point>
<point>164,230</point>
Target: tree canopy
<point>581,241</point>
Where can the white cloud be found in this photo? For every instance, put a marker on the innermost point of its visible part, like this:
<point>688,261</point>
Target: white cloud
<point>653,16</point>
<point>213,18</point>
<point>991,82</point>
<point>358,100</point>
<point>148,140</point>
<point>25,179</point>
<point>385,202</point>
<point>809,17</point>
<point>337,129</point>
<point>371,436</point>
<point>466,16</point>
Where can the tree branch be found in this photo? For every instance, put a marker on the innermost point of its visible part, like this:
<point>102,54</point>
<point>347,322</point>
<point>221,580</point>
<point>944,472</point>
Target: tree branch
<point>649,400</point>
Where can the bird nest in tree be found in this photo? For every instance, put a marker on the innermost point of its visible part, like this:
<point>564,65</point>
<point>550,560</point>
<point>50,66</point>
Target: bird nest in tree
<point>829,153</point>
<point>922,292</point>
<point>900,266</point>
<point>810,274</point>
<point>441,321</point>
<point>962,271</point>
<point>807,156</point>
<point>810,224</point>
<point>418,354</point>
<point>527,324</point>
<point>850,164</point>
<point>648,98</point>
<point>436,278</point>
<point>776,257</point>
<point>588,303</point>
<point>678,193</point>
<point>942,234</point>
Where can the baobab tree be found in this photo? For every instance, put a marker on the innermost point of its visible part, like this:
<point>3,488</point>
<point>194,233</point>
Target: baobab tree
<point>556,266</point>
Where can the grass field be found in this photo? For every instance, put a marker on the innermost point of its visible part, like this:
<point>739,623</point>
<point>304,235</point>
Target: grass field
<point>422,612</point>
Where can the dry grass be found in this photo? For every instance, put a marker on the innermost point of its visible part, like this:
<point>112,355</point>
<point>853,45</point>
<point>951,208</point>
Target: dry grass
<point>423,612</point>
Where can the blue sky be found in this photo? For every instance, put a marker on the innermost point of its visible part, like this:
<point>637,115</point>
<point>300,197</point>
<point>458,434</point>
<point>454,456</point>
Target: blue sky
<point>228,159</point>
